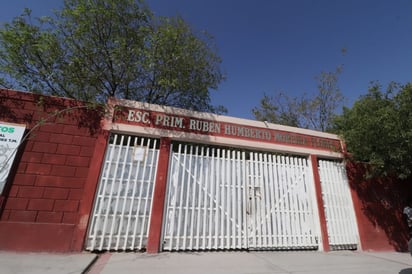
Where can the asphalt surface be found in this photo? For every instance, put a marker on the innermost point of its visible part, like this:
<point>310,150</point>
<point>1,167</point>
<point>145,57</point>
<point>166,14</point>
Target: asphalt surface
<point>297,262</point>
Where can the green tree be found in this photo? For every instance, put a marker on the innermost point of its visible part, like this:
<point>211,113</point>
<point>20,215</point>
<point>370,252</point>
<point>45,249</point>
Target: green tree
<point>316,112</point>
<point>95,49</point>
<point>378,129</point>
<point>280,109</point>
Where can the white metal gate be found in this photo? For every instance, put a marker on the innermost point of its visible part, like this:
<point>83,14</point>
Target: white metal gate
<point>281,203</point>
<point>222,199</point>
<point>339,211</point>
<point>123,202</point>
<point>205,205</point>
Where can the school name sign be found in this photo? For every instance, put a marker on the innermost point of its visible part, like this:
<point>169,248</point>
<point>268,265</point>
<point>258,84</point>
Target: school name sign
<point>153,119</point>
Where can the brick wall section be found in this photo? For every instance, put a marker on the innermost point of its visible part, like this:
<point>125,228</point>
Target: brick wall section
<point>48,181</point>
<point>379,204</point>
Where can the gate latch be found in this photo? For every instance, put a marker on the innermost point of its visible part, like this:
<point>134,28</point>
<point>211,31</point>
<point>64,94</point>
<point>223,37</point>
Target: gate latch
<point>257,192</point>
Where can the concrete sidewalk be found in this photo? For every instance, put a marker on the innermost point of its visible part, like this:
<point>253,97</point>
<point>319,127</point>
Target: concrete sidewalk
<point>45,263</point>
<point>298,262</point>
<point>255,263</point>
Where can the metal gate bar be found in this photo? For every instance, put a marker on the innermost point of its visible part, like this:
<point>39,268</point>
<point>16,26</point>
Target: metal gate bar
<point>123,202</point>
<point>281,210</point>
<point>339,211</point>
<point>205,208</point>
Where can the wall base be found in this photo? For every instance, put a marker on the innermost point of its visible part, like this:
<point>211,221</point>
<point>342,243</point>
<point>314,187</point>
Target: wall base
<point>44,237</point>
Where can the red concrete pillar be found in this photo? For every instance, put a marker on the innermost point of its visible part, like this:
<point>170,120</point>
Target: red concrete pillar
<point>159,196</point>
<point>321,207</point>
<point>362,221</point>
<point>89,191</point>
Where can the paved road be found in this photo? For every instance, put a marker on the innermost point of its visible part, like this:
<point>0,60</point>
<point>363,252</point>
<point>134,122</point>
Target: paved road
<point>292,262</point>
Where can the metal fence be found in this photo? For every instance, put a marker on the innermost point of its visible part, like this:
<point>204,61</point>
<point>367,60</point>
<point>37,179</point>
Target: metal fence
<point>218,198</point>
<point>222,198</point>
<point>205,207</point>
<point>282,214</point>
<point>123,201</point>
<point>339,211</point>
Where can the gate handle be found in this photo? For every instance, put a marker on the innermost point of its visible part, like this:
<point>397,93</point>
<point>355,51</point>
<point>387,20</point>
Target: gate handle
<point>249,206</point>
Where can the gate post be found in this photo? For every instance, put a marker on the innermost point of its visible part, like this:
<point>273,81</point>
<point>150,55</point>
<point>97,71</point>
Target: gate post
<point>86,204</point>
<point>321,210</point>
<point>159,196</point>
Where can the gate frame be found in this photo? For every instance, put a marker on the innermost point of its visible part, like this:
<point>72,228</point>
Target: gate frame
<point>313,199</point>
<point>356,227</point>
<point>321,212</point>
<point>159,197</point>
<point>90,191</point>
<point>142,120</point>
<point>168,188</point>
<point>321,232</point>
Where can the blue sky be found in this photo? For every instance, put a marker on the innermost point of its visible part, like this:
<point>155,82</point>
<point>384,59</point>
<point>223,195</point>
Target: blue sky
<point>268,46</point>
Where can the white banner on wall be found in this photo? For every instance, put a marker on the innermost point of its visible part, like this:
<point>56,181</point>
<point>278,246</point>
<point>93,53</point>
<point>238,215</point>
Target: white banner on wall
<point>10,138</point>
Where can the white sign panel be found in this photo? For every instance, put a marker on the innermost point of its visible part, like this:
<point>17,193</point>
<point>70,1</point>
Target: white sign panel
<point>10,138</point>
<point>139,154</point>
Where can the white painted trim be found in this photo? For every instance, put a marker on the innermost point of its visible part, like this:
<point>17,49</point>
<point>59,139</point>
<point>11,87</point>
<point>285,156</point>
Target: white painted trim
<point>218,140</point>
<point>219,118</point>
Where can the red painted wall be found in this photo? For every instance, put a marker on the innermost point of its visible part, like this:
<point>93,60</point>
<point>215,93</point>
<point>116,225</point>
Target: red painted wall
<point>379,204</point>
<point>43,202</point>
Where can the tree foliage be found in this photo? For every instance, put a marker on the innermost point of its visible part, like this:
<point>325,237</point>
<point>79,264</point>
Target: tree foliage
<point>280,109</point>
<point>314,112</point>
<point>95,49</point>
<point>378,129</point>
